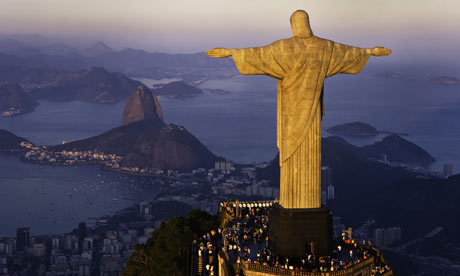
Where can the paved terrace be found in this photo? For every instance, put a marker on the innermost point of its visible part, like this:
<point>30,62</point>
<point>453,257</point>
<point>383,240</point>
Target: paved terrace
<point>241,241</point>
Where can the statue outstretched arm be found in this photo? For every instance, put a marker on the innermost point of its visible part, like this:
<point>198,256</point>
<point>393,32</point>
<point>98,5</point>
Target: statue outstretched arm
<point>350,60</point>
<point>379,51</point>
<point>219,52</point>
<point>251,61</point>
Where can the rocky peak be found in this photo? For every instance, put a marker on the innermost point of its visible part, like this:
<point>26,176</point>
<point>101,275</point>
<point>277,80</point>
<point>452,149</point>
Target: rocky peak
<point>100,48</point>
<point>141,105</point>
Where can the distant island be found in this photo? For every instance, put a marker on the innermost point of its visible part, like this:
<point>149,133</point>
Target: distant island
<point>445,80</point>
<point>217,91</point>
<point>358,129</point>
<point>387,75</point>
<point>177,90</point>
<point>14,100</point>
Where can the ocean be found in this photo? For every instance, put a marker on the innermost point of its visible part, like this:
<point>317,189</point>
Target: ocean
<point>239,125</point>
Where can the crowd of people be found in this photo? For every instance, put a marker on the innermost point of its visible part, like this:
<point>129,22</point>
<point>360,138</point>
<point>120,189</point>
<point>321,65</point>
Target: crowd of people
<point>205,254</point>
<point>245,239</point>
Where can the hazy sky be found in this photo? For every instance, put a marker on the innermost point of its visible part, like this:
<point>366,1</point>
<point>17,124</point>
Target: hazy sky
<point>192,26</point>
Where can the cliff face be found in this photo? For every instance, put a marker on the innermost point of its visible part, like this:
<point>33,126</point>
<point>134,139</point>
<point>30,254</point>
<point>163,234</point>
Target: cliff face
<point>14,100</point>
<point>141,105</point>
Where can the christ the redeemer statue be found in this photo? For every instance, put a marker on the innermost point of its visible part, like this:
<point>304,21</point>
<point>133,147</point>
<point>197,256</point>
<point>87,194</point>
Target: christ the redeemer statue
<point>300,64</point>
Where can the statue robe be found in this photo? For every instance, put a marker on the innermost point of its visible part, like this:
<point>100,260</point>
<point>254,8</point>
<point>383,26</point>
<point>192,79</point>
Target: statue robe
<point>300,65</point>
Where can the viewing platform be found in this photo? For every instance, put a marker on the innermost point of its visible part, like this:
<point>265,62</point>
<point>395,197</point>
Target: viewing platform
<point>240,246</point>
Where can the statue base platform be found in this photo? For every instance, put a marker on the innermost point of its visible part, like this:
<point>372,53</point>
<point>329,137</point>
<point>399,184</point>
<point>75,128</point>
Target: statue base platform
<point>295,232</point>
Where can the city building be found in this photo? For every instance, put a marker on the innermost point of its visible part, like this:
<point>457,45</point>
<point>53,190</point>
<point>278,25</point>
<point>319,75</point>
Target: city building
<point>145,208</point>
<point>330,192</point>
<point>326,181</point>
<point>22,239</point>
<point>224,166</point>
<point>447,170</point>
<point>81,235</point>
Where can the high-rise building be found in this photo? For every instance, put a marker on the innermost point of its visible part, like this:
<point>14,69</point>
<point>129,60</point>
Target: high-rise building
<point>145,208</point>
<point>22,238</point>
<point>81,235</point>
<point>224,166</point>
<point>330,192</point>
<point>385,237</point>
<point>39,250</point>
<point>55,243</point>
<point>394,234</point>
<point>447,170</point>
<point>326,181</point>
<point>379,237</point>
<point>326,177</point>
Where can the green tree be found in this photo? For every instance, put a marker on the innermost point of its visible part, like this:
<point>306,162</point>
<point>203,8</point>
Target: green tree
<point>168,251</point>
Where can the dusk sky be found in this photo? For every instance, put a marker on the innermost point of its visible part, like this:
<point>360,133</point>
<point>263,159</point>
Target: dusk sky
<point>414,26</point>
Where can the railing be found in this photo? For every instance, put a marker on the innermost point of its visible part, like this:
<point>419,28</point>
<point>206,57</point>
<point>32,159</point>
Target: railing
<point>225,217</point>
<point>283,271</point>
<point>386,273</point>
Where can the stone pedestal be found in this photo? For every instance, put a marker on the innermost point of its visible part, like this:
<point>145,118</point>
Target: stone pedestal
<point>293,232</point>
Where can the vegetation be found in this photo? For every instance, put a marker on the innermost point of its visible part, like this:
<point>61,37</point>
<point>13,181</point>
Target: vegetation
<point>168,251</point>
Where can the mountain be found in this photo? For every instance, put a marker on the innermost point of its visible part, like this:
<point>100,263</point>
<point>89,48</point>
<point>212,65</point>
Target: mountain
<point>354,129</point>
<point>94,85</point>
<point>359,129</point>
<point>177,89</point>
<point>31,78</point>
<point>151,144</point>
<point>57,49</point>
<point>369,185</point>
<point>398,149</point>
<point>191,68</point>
<point>99,48</point>
<point>145,141</point>
<point>13,47</point>
<point>347,160</point>
<point>14,100</point>
<point>10,142</point>
<point>141,105</point>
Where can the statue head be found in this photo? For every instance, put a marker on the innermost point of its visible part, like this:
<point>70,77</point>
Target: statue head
<point>300,24</point>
